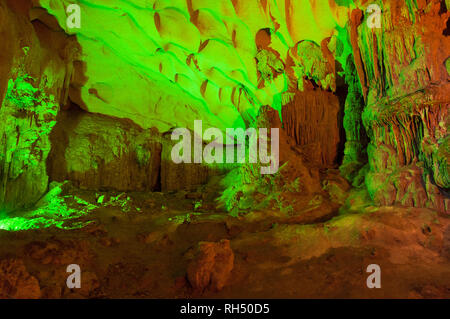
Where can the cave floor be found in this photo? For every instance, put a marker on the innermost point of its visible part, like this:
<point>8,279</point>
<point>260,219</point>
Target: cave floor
<point>142,249</point>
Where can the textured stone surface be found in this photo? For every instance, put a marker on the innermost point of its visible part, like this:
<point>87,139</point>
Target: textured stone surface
<point>186,175</point>
<point>404,83</point>
<point>32,85</point>
<point>407,53</point>
<point>163,64</point>
<point>407,153</point>
<point>312,119</point>
<point>355,150</point>
<point>212,266</point>
<point>16,282</point>
<point>60,252</point>
<point>198,55</point>
<point>99,152</point>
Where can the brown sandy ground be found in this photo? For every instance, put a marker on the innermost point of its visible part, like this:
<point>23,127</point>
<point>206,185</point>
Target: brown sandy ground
<point>152,250</point>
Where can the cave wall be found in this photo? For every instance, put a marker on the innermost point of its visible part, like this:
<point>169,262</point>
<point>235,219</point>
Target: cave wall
<point>198,57</point>
<point>98,152</point>
<point>312,120</point>
<point>139,70</point>
<point>405,84</point>
<point>32,86</point>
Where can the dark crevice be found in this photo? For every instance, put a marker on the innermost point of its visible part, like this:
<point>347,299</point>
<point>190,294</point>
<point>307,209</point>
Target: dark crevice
<point>446,31</point>
<point>341,93</point>
<point>158,185</point>
<point>443,9</point>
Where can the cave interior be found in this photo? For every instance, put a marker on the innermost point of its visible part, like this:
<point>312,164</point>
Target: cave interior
<point>92,93</point>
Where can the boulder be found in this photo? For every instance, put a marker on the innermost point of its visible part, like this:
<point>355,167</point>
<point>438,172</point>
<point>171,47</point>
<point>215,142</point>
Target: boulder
<point>212,265</point>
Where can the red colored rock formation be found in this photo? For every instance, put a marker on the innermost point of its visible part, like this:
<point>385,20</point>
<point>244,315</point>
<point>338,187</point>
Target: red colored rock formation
<point>312,120</point>
<point>16,282</point>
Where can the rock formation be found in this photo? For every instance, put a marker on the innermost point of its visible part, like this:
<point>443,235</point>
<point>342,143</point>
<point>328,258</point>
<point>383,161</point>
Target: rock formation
<point>212,265</point>
<point>359,91</point>
<point>406,92</point>
<point>96,104</point>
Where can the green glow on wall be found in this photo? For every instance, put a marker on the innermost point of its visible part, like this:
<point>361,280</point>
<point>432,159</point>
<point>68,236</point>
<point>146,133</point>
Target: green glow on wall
<point>51,211</point>
<point>187,63</point>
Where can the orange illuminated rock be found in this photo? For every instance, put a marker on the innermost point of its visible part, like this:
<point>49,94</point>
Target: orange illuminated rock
<point>16,282</point>
<point>212,266</point>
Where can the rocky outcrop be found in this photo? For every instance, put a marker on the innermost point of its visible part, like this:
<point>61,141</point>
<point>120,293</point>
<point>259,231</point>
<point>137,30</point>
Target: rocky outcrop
<point>408,153</point>
<point>212,266</point>
<point>98,152</point>
<point>102,153</point>
<point>312,119</point>
<point>32,86</point>
<point>27,116</point>
<point>407,53</point>
<point>16,282</point>
<point>186,175</point>
<point>175,63</point>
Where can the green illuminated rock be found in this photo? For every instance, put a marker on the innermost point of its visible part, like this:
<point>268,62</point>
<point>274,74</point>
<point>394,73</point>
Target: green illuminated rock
<point>140,68</point>
<point>31,90</point>
<point>27,116</point>
<point>100,152</point>
<point>165,63</point>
